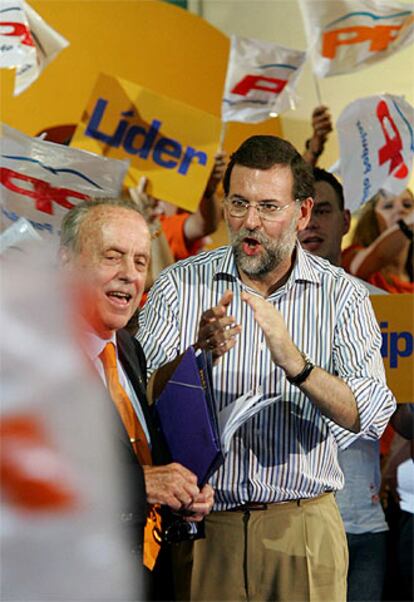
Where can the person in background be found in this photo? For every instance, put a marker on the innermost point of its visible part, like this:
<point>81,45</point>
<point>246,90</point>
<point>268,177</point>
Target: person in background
<point>177,234</point>
<point>359,500</point>
<point>382,246</point>
<point>276,318</point>
<point>105,243</point>
<point>184,232</point>
<point>321,127</point>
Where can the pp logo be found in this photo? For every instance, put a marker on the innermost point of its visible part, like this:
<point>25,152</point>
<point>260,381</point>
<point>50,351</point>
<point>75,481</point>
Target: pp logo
<point>391,151</point>
<point>272,85</point>
<point>43,193</point>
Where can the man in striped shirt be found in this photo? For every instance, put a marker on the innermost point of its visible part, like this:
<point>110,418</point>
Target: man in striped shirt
<point>286,323</point>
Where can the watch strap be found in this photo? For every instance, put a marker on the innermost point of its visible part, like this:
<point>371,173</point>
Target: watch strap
<point>405,229</point>
<point>303,374</point>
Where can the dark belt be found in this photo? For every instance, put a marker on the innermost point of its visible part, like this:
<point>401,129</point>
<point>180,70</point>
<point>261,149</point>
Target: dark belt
<point>250,507</point>
<point>254,506</point>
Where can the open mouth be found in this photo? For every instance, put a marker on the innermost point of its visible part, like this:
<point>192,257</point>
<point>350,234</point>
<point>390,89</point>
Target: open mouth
<point>251,246</point>
<point>119,298</point>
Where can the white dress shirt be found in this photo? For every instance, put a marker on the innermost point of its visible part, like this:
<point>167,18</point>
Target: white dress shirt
<point>94,347</point>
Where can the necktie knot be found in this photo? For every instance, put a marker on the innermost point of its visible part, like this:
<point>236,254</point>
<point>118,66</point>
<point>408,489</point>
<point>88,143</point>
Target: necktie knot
<point>108,357</point>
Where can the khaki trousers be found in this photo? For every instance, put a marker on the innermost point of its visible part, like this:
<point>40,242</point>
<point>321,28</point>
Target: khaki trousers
<point>292,552</point>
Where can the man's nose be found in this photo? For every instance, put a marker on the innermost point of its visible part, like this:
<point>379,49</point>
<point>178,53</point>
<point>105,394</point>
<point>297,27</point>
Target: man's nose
<point>313,223</point>
<point>252,219</point>
<point>128,270</point>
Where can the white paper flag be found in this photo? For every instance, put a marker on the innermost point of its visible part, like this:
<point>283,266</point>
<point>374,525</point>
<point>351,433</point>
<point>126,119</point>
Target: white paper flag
<point>42,180</point>
<point>376,140</point>
<point>27,42</point>
<point>347,35</point>
<point>261,79</point>
<point>17,46</point>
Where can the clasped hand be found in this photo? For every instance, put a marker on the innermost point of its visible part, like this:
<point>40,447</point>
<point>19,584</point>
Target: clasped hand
<point>176,486</point>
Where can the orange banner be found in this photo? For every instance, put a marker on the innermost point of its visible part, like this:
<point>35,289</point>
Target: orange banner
<point>395,315</point>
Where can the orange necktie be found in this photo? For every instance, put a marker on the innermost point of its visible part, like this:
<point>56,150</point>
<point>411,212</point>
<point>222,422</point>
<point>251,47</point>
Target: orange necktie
<point>139,442</point>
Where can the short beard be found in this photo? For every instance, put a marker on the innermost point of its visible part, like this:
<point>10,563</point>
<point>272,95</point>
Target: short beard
<point>275,251</point>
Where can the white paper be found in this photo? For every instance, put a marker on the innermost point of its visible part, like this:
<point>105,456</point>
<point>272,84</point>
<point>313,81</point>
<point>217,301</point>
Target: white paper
<point>27,42</point>
<point>240,411</point>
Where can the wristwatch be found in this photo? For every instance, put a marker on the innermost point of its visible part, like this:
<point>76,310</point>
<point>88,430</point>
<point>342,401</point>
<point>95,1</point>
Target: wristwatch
<point>405,229</point>
<point>303,374</point>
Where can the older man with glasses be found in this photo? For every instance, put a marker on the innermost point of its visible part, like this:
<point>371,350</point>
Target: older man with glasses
<point>287,324</point>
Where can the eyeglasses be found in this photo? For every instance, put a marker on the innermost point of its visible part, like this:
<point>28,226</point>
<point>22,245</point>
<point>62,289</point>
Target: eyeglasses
<point>267,210</point>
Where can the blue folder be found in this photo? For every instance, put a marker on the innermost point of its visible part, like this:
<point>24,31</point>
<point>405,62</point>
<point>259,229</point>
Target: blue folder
<point>187,416</point>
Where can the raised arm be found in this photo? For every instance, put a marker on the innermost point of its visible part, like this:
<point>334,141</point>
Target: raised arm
<point>329,393</point>
<point>206,218</point>
<point>382,251</point>
<point>321,127</point>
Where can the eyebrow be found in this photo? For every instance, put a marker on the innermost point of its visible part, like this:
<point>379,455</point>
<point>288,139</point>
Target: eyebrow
<point>122,252</point>
<point>323,205</point>
<point>242,198</point>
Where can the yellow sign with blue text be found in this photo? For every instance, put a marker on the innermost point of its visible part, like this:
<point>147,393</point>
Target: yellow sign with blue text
<point>169,142</point>
<point>395,315</point>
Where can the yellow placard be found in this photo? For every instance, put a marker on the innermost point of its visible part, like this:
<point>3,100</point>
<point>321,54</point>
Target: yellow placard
<point>169,142</point>
<point>395,315</point>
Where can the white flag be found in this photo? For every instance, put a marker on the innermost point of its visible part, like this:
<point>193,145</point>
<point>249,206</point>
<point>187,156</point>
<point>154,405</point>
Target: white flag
<point>27,42</point>
<point>347,35</point>
<point>17,46</point>
<point>41,180</point>
<point>261,80</point>
<point>376,140</point>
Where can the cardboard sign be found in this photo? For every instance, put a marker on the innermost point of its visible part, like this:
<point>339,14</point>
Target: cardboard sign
<point>40,180</point>
<point>376,140</point>
<point>171,143</point>
<point>396,319</point>
<point>348,35</point>
<point>261,79</point>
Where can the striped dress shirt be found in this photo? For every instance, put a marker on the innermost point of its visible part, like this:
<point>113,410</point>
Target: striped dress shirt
<point>288,450</point>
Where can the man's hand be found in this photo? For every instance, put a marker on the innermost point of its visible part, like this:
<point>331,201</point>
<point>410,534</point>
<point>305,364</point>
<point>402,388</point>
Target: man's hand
<point>321,123</point>
<point>172,485</point>
<point>329,393</point>
<point>147,204</point>
<point>217,331</point>
<point>321,127</point>
<point>283,350</point>
<point>202,504</point>
<point>220,159</point>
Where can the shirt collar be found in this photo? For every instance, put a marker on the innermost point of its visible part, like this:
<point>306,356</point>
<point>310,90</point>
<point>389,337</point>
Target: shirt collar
<point>303,270</point>
<point>94,345</point>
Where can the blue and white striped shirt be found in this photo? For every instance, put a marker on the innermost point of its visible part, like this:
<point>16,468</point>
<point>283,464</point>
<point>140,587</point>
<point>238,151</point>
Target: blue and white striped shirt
<point>289,450</point>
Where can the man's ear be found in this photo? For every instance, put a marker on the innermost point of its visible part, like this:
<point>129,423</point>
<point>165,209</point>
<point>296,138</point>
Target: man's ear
<point>64,256</point>
<point>305,212</point>
<point>347,221</point>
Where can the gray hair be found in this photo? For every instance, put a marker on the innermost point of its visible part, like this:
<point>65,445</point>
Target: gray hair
<point>75,217</point>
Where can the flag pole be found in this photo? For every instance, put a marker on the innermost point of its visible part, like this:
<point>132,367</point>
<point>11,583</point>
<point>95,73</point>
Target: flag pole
<point>222,136</point>
<point>318,90</point>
